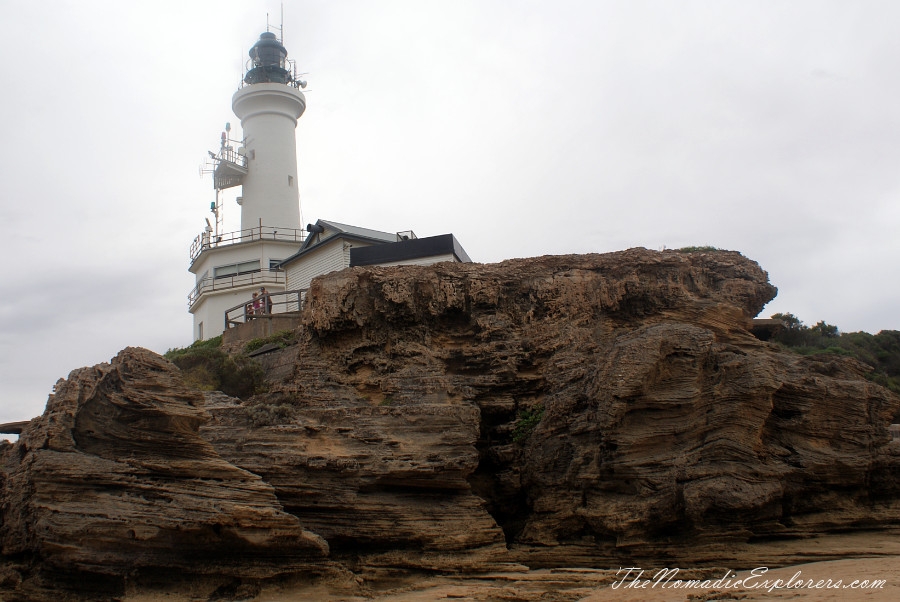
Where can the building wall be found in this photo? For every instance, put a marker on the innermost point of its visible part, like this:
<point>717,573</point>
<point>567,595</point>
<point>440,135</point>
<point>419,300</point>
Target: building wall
<point>263,250</point>
<point>261,326</point>
<point>328,257</point>
<point>210,307</point>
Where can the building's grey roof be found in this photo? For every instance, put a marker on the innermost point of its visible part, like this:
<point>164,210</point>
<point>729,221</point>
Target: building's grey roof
<point>384,247</point>
<point>357,231</point>
<point>336,230</point>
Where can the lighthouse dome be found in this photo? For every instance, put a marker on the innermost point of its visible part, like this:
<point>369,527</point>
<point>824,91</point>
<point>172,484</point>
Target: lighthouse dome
<point>268,61</point>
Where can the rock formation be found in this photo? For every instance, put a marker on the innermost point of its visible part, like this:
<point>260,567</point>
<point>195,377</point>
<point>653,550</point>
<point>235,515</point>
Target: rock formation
<point>114,479</point>
<point>555,411</point>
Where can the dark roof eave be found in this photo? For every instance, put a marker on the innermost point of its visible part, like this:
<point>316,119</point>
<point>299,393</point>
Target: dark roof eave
<point>337,236</point>
<point>408,250</point>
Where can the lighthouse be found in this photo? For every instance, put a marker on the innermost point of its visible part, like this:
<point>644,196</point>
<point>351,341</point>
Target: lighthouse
<point>229,266</point>
<point>255,279</point>
<point>269,106</point>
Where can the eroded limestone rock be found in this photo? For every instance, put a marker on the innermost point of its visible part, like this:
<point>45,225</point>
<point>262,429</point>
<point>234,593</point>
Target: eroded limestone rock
<point>114,477</point>
<point>667,429</point>
<point>568,411</point>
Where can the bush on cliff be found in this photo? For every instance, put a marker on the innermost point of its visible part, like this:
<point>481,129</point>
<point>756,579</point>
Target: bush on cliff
<point>527,422</point>
<point>212,343</point>
<point>881,351</point>
<point>698,249</point>
<point>206,367</point>
<point>281,339</point>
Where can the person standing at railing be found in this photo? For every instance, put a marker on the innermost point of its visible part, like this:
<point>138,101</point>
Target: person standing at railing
<point>267,299</point>
<point>257,305</point>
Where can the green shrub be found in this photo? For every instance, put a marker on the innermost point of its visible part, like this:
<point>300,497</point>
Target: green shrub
<point>881,351</point>
<point>212,343</point>
<point>282,339</point>
<point>838,351</point>
<point>208,368</point>
<point>698,249</point>
<point>526,422</point>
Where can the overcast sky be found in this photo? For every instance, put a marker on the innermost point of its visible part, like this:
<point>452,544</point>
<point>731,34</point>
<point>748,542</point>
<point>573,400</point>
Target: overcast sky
<point>525,128</point>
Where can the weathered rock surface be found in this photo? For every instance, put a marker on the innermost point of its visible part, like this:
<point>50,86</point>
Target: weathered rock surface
<point>114,477</point>
<point>555,411</point>
<point>667,429</point>
<point>384,482</point>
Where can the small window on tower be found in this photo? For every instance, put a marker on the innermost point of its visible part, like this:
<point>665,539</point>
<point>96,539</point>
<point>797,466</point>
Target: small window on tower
<point>290,180</point>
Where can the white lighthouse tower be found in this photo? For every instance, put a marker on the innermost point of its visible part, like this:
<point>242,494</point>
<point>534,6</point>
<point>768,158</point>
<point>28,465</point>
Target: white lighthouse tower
<point>268,107</point>
<point>229,266</point>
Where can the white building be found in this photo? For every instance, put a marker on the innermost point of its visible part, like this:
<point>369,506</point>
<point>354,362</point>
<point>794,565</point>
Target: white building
<point>229,266</point>
<point>271,250</point>
<point>331,246</point>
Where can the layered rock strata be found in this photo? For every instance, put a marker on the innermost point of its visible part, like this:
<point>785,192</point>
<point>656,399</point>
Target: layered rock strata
<point>657,425</point>
<point>556,411</point>
<point>114,477</point>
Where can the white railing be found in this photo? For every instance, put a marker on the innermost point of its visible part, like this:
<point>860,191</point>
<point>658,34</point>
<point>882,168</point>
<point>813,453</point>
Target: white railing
<point>229,154</point>
<point>208,240</point>
<point>260,277</point>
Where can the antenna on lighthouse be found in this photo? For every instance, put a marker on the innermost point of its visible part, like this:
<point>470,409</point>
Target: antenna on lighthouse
<point>281,28</point>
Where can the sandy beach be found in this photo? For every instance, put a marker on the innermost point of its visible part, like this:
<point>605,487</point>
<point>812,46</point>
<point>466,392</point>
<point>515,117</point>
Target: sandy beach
<point>585,585</point>
<point>870,572</point>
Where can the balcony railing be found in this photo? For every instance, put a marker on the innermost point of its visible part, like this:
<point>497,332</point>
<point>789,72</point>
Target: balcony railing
<point>229,154</point>
<point>266,305</point>
<point>208,240</point>
<point>260,277</point>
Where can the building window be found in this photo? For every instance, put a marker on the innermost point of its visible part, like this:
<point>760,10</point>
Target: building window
<point>290,181</point>
<point>273,263</point>
<point>236,269</point>
<point>200,331</point>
